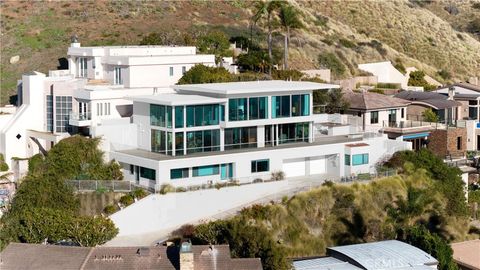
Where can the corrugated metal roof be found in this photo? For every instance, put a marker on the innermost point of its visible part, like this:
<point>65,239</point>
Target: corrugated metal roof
<point>326,263</point>
<point>391,254</point>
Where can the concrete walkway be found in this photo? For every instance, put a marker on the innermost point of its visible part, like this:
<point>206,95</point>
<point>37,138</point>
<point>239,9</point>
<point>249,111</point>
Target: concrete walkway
<point>153,218</point>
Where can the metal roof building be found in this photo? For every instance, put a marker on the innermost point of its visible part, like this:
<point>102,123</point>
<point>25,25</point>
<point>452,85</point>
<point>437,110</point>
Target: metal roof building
<point>391,254</point>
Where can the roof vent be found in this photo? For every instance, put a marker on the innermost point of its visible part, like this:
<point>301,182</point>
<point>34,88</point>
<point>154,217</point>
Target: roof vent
<point>143,251</point>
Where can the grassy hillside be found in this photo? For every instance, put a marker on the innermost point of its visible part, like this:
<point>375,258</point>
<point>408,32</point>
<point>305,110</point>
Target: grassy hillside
<point>39,32</point>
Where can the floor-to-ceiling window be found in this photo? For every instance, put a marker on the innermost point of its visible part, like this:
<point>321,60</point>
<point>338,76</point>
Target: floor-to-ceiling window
<point>203,141</point>
<point>295,132</point>
<point>82,67</point>
<point>117,78</point>
<point>63,107</point>
<point>280,106</point>
<point>179,123</point>
<point>258,107</point>
<point>301,105</point>
<point>158,142</point>
<point>237,109</point>
<point>202,115</point>
<point>179,145</point>
<point>245,137</point>
<point>160,115</point>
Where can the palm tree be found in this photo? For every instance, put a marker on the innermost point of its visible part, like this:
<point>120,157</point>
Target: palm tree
<point>267,9</point>
<point>289,19</point>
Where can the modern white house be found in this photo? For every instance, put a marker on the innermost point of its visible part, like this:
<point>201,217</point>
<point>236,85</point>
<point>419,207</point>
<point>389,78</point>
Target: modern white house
<point>209,133</point>
<point>386,73</point>
<point>92,93</point>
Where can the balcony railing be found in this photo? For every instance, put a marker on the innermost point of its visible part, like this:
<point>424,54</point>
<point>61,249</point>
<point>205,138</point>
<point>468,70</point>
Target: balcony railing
<point>423,124</point>
<point>80,116</point>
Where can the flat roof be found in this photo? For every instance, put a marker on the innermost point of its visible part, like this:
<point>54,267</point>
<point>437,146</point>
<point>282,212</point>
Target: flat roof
<point>177,99</point>
<point>323,263</point>
<point>254,87</point>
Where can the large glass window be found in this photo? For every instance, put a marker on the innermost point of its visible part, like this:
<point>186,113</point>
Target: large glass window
<point>147,173</point>
<point>157,115</point>
<point>158,141</point>
<point>168,115</point>
<point>63,108</point>
<point>258,108</point>
<point>347,160</point>
<point>203,141</point>
<point>202,115</point>
<point>244,137</point>
<point>179,144</point>
<point>359,159</point>
<point>117,71</point>
<point>374,117</point>
<point>280,106</point>
<point>237,109</point>
<point>262,165</point>
<point>179,117</point>
<point>472,112</point>
<point>205,170</point>
<point>82,67</point>
<point>179,173</point>
<point>300,105</point>
<point>295,132</point>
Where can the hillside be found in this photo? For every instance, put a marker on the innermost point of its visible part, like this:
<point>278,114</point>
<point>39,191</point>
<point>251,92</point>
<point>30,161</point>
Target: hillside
<point>39,32</point>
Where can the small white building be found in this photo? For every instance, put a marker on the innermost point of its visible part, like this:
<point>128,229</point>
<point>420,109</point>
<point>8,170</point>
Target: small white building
<point>386,73</point>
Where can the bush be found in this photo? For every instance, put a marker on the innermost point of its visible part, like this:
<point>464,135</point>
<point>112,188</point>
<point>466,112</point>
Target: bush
<point>3,167</point>
<point>417,79</point>
<point>347,43</point>
<point>444,74</point>
<point>203,74</point>
<point>290,74</point>
<point>277,175</point>
<point>331,61</point>
<point>389,85</point>
<point>110,209</point>
<point>139,193</point>
<point>126,200</point>
<point>180,189</point>
<point>476,5</point>
<point>166,188</point>
<point>433,244</point>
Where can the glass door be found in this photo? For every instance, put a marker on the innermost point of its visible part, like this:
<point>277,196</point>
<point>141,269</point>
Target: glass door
<point>226,171</point>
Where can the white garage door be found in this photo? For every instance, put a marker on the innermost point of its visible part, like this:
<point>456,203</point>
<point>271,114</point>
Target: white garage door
<point>294,167</point>
<point>318,165</point>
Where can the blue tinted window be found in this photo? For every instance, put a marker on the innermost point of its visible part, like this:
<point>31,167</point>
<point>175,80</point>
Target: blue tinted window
<point>205,170</point>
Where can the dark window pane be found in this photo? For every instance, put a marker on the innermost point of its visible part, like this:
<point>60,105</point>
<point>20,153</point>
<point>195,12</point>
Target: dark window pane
<point>179,116</point>
<point>190,116</point>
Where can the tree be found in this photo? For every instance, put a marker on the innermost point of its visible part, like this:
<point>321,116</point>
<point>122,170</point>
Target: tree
<point>92,231</point>
<point>267,9</point>
<point>204,74</point>
<point>289,19</point>
<point>245,240</point>
<point>215,42</point>
<point>417,78</point>
<point>333,100</point>
<point>356,230</point>
<point>330,61</point>
<point>433,244</point>
<point>429,116</point>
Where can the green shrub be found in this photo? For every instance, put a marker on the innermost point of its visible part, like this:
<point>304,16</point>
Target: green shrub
<point>139,193</point>
<point>126,200</point>
<point>331,61</point>
<point>203,74</point>
<point>389,85</point>
<point>110,209</point>
<point>347,43</point>
<point>180,189</point>
<point>290,74</point>
<point>417,79</point>
<point>378,91</point>
<point>444,74</point>
<point>166,188</point>
<point>3,167</point>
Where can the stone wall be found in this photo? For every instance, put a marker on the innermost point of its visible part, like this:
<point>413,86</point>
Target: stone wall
<point>443,143</point>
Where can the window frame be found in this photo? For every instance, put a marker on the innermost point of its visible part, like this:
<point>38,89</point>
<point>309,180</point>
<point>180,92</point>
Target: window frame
<point>255,167</point>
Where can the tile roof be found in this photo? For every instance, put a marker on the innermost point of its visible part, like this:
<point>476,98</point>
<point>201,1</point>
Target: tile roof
<point>373,101</point>
<point>467,253</point>
<point>34,256</point>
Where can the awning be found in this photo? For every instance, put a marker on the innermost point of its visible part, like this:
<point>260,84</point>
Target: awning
<point>416,135</point>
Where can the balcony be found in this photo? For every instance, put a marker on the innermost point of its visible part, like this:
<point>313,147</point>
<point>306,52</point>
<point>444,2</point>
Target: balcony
<point>80,119</point>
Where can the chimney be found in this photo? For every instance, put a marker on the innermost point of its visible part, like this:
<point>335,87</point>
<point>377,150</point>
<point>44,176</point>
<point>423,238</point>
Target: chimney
<point>451,92</point>
<point>186,256</point>
<point>74,43</point>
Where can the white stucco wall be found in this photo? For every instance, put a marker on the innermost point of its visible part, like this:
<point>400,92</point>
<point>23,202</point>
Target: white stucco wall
<point>385,72</point>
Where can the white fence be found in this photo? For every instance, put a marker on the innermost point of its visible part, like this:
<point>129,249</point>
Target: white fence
<point>101,185</point>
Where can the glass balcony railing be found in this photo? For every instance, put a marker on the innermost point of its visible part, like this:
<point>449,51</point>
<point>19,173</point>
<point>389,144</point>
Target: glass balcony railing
<point>80,116</point>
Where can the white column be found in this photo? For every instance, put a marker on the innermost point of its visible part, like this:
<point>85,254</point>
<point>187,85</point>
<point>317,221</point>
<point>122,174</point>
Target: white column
<point>222,139</point>
<point>260,136</point>
<point>173,131</point>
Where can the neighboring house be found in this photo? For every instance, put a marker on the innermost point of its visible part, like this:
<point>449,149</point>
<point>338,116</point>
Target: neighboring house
<point>17,256</point>
<point>93,92</point>
<point>376,110</point>
<point>447,109</point>
<point>386,73</point>
<point>391,254</point>
<point>467,254</point>
<point>242,131</point>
